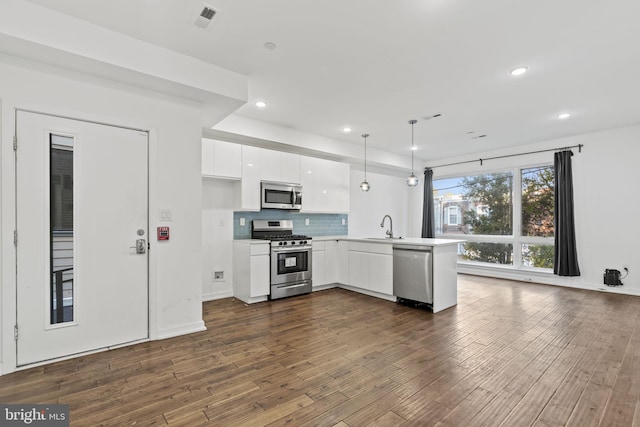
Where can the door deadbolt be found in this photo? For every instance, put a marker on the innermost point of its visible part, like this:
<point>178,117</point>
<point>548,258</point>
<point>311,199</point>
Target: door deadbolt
<point>140,247</point>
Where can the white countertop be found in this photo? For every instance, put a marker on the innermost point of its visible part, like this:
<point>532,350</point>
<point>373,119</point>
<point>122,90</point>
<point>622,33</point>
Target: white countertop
<point>404,240</point>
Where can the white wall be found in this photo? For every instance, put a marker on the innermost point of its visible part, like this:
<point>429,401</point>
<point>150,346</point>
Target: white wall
<point>175,184</point>
<point>606,203</point>
<point>217,237</point>
<point>388,195</point>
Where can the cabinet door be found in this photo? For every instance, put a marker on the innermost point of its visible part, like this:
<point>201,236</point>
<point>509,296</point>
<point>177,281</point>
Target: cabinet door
<point>250,185</point>
<point>227,160</point>
<point>319,268</point>
<point>332,262</point>
<point>358,270</point>
<point>270,165</point>
<point>331,189</point>
<point>307,179</point>
<point>207,157</point>
<point>381,273</point>
<point>259,276</point>
<point>342,262</point>
<point>278,166</point>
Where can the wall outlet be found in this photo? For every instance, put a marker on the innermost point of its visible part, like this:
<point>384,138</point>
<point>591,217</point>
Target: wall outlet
<point>218,275</point>
<point>344,221</point>
<point>306,221</point>
<point>242,222</point>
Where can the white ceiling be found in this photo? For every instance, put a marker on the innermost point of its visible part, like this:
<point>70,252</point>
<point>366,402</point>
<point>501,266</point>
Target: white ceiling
<point>374,65</point>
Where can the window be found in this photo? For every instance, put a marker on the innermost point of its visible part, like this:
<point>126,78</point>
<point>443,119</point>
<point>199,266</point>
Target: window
<point>61,290</point>
<point>453,215</point>
<point>502,225</point>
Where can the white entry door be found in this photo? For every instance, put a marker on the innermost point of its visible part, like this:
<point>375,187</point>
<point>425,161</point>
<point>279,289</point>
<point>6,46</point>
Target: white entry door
<point>82,231</point>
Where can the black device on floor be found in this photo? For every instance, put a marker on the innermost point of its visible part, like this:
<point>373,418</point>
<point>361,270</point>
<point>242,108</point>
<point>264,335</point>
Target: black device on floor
<point>612,277</point>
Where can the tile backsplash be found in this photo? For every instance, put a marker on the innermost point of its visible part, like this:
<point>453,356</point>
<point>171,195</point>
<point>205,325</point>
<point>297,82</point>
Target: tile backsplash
<point>319,224</point>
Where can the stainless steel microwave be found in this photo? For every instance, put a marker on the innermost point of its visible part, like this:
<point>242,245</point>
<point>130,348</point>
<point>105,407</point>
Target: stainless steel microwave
<point>280,196</point>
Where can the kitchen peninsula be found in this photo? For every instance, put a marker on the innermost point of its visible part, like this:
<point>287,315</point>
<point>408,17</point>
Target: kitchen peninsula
<point>365,265</point>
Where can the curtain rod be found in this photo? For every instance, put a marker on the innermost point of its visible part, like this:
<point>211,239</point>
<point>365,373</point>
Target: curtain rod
<point>579,147</point>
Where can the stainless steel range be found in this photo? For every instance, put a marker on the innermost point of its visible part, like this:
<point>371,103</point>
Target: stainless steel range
<point>290,257</point>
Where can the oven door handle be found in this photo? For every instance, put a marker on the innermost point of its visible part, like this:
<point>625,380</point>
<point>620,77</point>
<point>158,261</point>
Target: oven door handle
<point>298,285</point>
<point>292,249</point>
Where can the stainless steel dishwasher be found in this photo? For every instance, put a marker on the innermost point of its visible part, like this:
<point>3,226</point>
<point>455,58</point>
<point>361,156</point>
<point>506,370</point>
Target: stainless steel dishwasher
<point>413,273</point>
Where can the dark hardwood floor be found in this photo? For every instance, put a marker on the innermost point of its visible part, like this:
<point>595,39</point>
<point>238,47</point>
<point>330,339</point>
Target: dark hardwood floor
<point>509,354</point>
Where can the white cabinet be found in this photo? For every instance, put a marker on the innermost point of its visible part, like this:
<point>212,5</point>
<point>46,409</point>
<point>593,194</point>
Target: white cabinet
<point>325,262</point>
<point>325,185</point>
<point>248,194</point>
<point>278,166</point>
<point>221,159</point>
<point>445,277</point>
<point>318,264</point>
<point>259,164</point>
<point>371,267</point>
<point>251,280</point>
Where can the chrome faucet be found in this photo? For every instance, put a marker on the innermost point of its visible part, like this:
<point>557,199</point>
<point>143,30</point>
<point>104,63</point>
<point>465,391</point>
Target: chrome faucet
<point>389,232</point>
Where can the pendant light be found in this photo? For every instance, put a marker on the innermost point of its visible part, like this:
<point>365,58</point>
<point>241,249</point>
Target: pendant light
<point>364,185</point>
<point>412,180</point>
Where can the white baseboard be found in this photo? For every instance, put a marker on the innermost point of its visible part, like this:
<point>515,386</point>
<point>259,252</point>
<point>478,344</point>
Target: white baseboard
<point>217,295</point>
<point>323,287</point>
<point>370,293</point>
<point>181,330</point>
<point>544,278</point>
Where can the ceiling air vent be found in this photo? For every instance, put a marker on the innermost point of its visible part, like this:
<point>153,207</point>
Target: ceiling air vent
<point>204,15</point>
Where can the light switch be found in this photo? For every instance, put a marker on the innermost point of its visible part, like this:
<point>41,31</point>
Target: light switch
<point>165,214</point>
<point>344,221</point>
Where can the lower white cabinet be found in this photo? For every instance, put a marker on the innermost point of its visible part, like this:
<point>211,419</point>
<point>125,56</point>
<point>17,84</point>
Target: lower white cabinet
<point>251,279</point>
<point>367,267</point>
<point>318,264</point>
<point>371,267</point>
<point>325,262</point>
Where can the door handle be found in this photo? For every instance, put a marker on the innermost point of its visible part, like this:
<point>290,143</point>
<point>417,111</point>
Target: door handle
<point>140,247</point>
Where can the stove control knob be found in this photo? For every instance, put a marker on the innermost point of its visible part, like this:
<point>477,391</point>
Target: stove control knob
<point>293,243</point>
<point>305,242</point>
<point>279,243</point>
<point>284,243</point>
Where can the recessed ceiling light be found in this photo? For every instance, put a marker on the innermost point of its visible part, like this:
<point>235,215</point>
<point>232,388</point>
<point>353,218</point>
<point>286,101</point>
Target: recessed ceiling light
<point>564,116</point>
<point>261,104</point>
<point>519,71</point>
<point>346,129</point>
<point>414,148</point>
<point>270,45</point>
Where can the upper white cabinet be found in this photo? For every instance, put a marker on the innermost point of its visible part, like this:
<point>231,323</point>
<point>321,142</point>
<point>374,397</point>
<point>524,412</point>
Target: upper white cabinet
<point>248,196</point>
<point>221,159</point>
<point>325,185</point>
<point>278,166</point>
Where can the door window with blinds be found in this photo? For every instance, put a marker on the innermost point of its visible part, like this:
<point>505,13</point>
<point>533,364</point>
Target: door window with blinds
<point>61,229</point>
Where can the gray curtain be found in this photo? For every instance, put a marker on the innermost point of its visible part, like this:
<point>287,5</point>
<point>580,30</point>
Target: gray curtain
<point>428,215</point>
<point>565,257</point>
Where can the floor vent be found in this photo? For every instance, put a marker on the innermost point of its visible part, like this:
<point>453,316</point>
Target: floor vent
<point>205,15</point>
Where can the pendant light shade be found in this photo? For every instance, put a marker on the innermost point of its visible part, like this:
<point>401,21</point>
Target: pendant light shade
<point>412,180</point>
<point>364,185</point>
